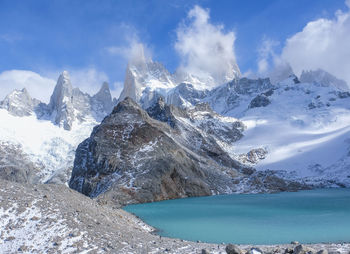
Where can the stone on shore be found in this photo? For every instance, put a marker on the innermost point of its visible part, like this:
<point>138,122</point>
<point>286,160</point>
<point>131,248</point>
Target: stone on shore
<point>205,251</point>
<point>301,249</point>
<point>233,249</point>
<point>255,251</point>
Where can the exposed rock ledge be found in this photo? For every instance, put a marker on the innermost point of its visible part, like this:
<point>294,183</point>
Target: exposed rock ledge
<point>55,219</point>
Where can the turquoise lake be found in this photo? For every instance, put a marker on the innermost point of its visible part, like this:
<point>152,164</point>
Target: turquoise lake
<point>307,216</point>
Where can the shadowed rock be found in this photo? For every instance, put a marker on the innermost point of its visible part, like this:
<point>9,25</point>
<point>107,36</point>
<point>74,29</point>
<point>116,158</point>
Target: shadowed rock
<point>132,157</point>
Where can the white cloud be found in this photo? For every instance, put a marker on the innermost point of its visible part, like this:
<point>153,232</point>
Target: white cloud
<point>323,43</point>
<point>88,80</point>
<point>205,49</point>
<point>132,49</point>
<point>267,56</point>
<point>134,52</point>
<point>116,89</point>
<point>38,86</point>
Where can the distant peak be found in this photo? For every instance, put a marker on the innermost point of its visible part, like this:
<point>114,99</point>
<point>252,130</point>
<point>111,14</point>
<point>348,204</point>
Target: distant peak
<point>24,90</point>
<point>138,57</point>
<point>65,74</point>
<point>126,105</point>
<point>105,86</point>
<point>324,78</point>
<point>64,79</point>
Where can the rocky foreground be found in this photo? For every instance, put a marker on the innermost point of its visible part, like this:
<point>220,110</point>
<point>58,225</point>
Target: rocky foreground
<point>55,219</point>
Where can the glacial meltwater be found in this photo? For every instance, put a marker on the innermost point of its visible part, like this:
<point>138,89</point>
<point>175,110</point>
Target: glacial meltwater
<point>313,216</point>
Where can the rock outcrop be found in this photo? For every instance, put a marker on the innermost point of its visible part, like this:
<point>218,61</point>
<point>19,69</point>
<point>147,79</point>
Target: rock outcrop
<point>135,158</point>
<point>259,101</point>
<point>166,152</point>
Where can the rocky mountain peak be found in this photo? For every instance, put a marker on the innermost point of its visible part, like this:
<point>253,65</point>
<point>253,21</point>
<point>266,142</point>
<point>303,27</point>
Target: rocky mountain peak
<point>324,78</point>
<point>104,89</point>
<point>62,91</point>
<point>19,103</point>
<point>142,75</point>
<point>61,100</point>
<point>126,105</point>
<point>184,161</point>
<point>101,102</point>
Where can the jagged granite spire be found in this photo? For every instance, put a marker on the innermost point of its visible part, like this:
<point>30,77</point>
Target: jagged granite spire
<point>142,73</point>
<point>60,106</point>
<point>101,102</point>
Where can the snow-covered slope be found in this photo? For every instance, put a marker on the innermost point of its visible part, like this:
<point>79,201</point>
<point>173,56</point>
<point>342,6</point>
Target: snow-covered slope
<point>46,135</point>
<point>305,129</point>
<point>48,146</point>
<point>297,127</point>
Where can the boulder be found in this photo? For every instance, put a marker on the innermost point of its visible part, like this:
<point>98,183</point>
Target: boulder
<point>205,251</point>
<point>301,249</point>
<point>233,249</point>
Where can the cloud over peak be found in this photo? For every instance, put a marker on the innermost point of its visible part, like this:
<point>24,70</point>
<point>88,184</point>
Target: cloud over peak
<point>206,49</point>
<point>323,43</point>
<point>36,85</point>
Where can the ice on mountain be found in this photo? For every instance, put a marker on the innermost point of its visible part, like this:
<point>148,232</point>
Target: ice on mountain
<point>19,103</point>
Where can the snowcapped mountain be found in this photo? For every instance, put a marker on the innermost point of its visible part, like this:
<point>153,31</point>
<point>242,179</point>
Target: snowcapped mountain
<point>299,128</point>
<point>304,127</point>
<point>324,78</point>
<point>166,152</point>
<point>44,136</point>
<point>19,103</point>
<point>146,80</point>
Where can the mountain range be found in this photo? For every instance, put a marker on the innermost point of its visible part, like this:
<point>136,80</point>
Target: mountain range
<point>174,135</point>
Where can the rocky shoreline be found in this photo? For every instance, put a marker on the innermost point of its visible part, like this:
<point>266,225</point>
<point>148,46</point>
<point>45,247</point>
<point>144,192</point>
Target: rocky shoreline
<point>49,218</point>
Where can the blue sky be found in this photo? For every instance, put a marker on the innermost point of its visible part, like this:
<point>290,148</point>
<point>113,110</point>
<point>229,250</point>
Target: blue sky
<point>47,37</point>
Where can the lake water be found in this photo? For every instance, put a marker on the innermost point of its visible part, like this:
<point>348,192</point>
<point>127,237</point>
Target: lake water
<point>307,216</point>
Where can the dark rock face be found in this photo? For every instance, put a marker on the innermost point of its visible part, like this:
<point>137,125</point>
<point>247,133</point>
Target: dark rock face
<point>343,95</point>
<point>259,101</point>
<point>162,112</point>
<point>132,157</point>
